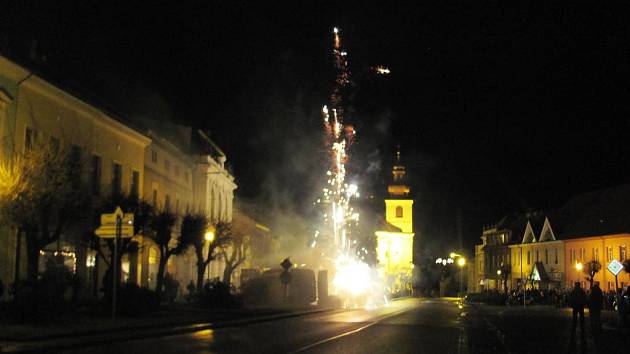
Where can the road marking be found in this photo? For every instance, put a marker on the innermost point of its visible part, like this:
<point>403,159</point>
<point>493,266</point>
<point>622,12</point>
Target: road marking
<point>462,343</point>
<point>356,330</point>
<point>498,334</point>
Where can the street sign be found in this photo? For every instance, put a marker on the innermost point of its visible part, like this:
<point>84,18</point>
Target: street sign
<point>110,219</point>
<point>286,264</point>
<point>615,267</point>
<point>126,231</point>
<point>109,224</point>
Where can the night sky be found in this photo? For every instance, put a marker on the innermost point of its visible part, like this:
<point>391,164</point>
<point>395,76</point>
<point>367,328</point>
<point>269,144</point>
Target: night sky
<point>497,109</point>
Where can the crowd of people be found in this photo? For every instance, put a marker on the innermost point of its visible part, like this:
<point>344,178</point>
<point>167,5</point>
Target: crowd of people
<point>576,298</point>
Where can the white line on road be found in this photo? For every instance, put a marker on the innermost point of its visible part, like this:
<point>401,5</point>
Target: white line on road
<point>356,330</point>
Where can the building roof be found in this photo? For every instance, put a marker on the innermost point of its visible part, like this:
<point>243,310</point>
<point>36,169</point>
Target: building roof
<point>383,225</point>
<point>603,212</point>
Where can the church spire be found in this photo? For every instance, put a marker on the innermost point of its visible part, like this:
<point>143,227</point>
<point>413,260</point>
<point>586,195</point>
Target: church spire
<point>398,188</point>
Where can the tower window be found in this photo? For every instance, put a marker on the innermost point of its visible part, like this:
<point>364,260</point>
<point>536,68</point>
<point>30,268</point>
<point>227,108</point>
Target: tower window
<point>399,212</point>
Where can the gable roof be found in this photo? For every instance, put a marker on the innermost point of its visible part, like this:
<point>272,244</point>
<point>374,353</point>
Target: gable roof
<point>546,234</point>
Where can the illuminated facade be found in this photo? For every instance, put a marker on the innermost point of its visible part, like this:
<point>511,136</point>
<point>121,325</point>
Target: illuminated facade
<point>538,259</point>
<point>176,168</point>
<point>394,244</point>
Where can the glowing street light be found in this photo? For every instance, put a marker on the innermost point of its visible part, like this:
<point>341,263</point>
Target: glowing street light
<point>461,261</point>
<point>498,271</point>
<point>209,236</point>
<point>579,266</point>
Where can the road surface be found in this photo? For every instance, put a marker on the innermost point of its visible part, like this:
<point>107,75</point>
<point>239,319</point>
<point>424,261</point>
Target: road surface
<point>407,326</point>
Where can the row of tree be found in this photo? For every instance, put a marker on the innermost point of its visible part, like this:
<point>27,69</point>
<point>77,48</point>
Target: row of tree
<point>44,195</point>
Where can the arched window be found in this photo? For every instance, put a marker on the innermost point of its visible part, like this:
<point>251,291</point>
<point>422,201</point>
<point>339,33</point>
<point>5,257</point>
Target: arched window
<point>399,212</point>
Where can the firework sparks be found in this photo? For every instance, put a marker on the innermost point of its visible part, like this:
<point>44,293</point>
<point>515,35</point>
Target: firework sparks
<point>381,70</point>
<point>353,279</point>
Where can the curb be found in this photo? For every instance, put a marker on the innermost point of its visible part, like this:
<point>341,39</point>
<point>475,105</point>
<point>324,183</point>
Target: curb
<point>143,332</point>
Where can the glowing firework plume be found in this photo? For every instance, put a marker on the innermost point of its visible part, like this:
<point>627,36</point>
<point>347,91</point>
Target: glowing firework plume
<point>353,279</point>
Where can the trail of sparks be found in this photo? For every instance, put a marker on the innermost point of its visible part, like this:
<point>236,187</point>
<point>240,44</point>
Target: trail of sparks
<point>353,279</point>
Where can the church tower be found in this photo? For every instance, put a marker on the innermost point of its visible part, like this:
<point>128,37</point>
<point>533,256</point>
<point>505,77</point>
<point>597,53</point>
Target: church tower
<point>399,208</point>
<point>394,240</point>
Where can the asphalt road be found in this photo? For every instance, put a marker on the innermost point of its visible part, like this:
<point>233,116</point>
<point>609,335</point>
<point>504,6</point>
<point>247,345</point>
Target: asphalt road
<point>406,326</point>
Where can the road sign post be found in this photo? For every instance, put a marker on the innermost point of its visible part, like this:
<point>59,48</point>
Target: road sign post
<point>115,274</point>
<point>615,268</point>
<point>116,225</point>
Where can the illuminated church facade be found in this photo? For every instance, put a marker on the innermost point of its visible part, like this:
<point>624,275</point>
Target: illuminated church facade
<point>394,242</point>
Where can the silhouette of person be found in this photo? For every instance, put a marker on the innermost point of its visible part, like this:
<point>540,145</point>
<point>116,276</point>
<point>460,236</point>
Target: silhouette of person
<point>595,304</point>
<point>578,301</point>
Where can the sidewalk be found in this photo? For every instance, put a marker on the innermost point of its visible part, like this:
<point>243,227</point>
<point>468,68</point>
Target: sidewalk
<point>24,338</point>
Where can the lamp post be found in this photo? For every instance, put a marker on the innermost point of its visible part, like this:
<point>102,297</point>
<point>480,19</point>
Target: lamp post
<point>498,277</point>
<point>209,237</point>
<point>461,262</point>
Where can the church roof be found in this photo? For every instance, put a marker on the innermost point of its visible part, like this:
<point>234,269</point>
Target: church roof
<point>383,225</point>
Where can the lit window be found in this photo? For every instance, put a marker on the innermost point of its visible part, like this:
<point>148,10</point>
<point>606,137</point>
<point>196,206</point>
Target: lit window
<point>528,257</point>
<point>622,253</point>
<point>399,212</point>
<point>546,256</point>
<point>609,254</point>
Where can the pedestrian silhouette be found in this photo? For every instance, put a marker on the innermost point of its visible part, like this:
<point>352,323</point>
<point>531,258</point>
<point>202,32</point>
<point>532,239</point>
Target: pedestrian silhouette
<point>595,303</point>
<point>578,301</point>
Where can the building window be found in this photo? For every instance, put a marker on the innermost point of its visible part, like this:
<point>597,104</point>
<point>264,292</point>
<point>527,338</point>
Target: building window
<point>529,258</point>
<point>399,212</point>
<point>176,206</point>
<point>29,138</point>
<point>546,256</point>
<point>167,165</point>
<point>573,256</point>
<point>167,202</point>
<point>609,254</point>
<point>135,184</point>
<point>116,178</point>
<point>596,257</point>
<point>556,256</point>
<point>154,198</point>
<point>154,157</point>
<point>622,253</point>
<point>95,177</point>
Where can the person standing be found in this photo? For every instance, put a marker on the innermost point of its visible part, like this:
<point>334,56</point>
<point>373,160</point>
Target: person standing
<point>578,301</point>
<point>595,303</point>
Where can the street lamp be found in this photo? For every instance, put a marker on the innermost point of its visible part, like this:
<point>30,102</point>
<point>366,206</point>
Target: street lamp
<point>578,267</point>
<point>209,236</point>
<point>461,262</point>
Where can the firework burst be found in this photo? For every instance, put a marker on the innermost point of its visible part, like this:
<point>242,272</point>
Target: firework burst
<point>353,280</point>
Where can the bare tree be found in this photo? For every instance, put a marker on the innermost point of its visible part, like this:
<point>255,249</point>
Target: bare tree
<point>161,233</point>
<point>234,253</point>
<point>193,233</point>
<point>43,196</point>
<point>590,269</point>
